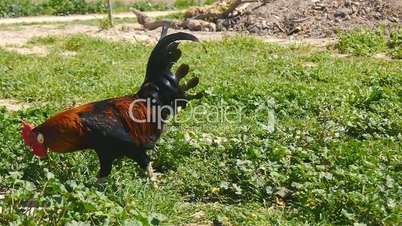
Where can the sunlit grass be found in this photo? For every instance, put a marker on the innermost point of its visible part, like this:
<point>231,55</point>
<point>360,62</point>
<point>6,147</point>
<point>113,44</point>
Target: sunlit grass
<point>334,156</point>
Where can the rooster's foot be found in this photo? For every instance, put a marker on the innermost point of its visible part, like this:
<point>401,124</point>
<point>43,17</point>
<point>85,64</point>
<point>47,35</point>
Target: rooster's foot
<point>100,180</point>
<point>153,177</point>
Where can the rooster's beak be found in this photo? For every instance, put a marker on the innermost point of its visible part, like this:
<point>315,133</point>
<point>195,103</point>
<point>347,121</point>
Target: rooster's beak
<point>39,150</point>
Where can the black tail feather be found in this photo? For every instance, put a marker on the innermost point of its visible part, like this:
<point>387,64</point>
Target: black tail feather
<point>165,54</point>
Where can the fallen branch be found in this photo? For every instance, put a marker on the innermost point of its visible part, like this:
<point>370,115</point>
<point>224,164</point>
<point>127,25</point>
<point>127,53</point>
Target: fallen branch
<point>198,18</point>
<point>151,24</point>
<point>211,16</point>
<point>280,27</point>
<point>191,24</point>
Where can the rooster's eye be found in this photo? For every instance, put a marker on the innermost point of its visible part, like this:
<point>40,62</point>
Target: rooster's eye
<point>40,138</point>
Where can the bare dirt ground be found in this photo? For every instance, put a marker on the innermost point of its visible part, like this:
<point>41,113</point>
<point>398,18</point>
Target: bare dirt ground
<point>16,32</point>
<point>312,18</point>
<point>14,38</point>
<point>13,105</point>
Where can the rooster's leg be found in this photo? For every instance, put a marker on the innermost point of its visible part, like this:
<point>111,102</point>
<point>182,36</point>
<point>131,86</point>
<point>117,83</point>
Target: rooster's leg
<point>106,162</point>
<point>150,172</point>
<point>153,177</point>
<point>142,159</point>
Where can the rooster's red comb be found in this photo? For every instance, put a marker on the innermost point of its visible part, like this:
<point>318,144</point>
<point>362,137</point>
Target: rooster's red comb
<point>26,131</point>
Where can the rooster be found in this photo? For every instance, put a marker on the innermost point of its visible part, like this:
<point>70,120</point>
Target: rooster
<point>121,126</point>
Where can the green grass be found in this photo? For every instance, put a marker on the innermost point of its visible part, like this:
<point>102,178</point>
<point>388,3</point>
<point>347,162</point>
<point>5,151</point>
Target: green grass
<point>334,156</point>
<point>160,6</point>
<point>182,4</point>
<point>395,44</point>
<point>18,8</point>
<point>150,6</point>
<point>364,42</point>
<point>172,16</point>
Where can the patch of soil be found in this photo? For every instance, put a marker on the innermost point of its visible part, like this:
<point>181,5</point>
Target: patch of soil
<point>312,18</point>
<point>382,56</point>
<point>16,39</point>
<point>36,50</point>
<point>13,105</point>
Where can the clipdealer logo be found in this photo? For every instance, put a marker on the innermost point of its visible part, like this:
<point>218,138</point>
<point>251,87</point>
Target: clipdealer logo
<point>219,113</point>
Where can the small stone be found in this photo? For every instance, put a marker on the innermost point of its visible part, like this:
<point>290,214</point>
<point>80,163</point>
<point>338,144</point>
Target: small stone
<point>199,215</point>
<point>264,24</point>
<point>393,19</point>
<point>354,9</point>
<point>220,25</point>
<point>356,3</point>
<point>319,7</point>
<point>295,30</point>
<point>342,12</point>
<point>253,29</point>
<point>378,16</point>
